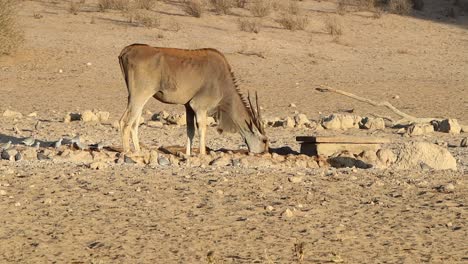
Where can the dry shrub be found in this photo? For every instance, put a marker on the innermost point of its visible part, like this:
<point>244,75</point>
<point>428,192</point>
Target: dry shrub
<point>222,6</point>
<point>333,26</point>
<point>261,8</point>
<point>240,3</point>
<point>114,4</point>
<point>293,22</point>
<point>249,25</point>
<point>74,8</point>
<point>194,8</point>
<point>10,35</point>
<point>145,4</point>
<point>401,7</point>
<point>144,19</point>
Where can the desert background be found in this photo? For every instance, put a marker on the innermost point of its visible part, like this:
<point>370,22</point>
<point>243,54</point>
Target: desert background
<point>62,58</point>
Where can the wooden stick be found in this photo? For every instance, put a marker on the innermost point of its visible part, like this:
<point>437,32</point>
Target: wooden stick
<point>406,118</point>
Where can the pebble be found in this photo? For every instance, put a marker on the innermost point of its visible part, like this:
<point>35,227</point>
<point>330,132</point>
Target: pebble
<point>269,208</point>
<point>89,64</point>
<point>295,179</point>
<point>292,105</point>
<point>287,213</point>
<point>163,161</point>
<point>464,142</point>
<point>3,192</point>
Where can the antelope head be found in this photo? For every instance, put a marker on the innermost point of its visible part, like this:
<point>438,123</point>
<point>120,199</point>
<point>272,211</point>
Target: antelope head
<point>256,140</point>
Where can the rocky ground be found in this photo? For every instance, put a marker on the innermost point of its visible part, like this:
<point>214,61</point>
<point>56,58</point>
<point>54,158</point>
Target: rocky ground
<point>71,205</point>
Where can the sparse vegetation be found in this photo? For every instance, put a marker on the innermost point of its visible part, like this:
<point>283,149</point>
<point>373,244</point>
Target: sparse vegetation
<point>249,25</point>
<point>114,4</point>
<point>240,3</point>
<point>144,19</point>
<point>10,35</point>
<point>194,8</point>
<point>333,26</point>
<point>261,8</point>
<point>293,22</point>
<point>222,6</point>
<point>145,4</point>
<point>401,7</point>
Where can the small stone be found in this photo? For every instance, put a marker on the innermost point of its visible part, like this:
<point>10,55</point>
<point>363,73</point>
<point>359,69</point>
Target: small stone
<point>301,120</point>
<point>292,105</point>
<point>210,121</point>
<point>420,129</point>
<point>3,192</point>
<point>372,123</point>
<point>295,179</point>
<point>163,161</point>
<point>287,213</point>
<point>18,156</point>
<point>289,122</point>
<point>448,188</point>
<point>449,126</point>
<point>60,71</point>
<point>129,160</point>
<point>89,64</point>
<point>464,142</point>
<point>396,97</point>
<point>155,124</point>
<point>9,154</point>
<point>89,116</point>
<point>12,114</point>
<point>116,124</point>
<point>103,116</point>
<point>177,119</point>
<point>17,204</point>
<point>269,208</point>
<point>33,114</point>
<point>98,165</point>
<point>341,121</point>
<point>219,192</point>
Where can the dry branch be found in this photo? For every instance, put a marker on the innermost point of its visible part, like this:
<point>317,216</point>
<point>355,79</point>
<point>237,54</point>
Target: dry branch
<point>405,117</point>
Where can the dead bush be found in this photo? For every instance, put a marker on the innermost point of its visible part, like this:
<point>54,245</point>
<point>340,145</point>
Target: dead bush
<point>240,3</point>
<point>143,19</point>
<point>401,7</point>
<point>249,25</point>
<point>193,8</point>
<point>114,4</point>
<point>145,4</point>
<point>261,8</point>
<point>10,34</point>
<point>222,6</point>
<point>333,26</point>
<point>293,22</point>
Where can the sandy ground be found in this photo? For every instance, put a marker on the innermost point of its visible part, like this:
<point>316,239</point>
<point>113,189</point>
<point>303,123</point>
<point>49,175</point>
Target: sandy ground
<point>55,212</point>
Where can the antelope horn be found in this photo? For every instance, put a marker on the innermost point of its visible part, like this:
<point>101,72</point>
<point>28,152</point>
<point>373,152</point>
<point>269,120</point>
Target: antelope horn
<point>251,105</point>
<point>259,114</point>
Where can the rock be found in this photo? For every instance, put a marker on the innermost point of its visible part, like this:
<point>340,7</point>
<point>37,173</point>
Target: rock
<point>177,119</point>
<point>103,116</point>
<point>386,156</point>
<point>116,124</point>
<point>312,164</point>
<point>18,156</point>
<point>372,123</point>
<point>449,126</point>
<point>77,156</point>
<point>3,192</point>
<point>98,165</point>
<point>295,179</point>
<point>42,156</point>
<point>420,129</point>
<point>210,121</point>
<point>347,160</point>
<point>301,120</point>
<point>163,161</point>
<point>287,213</point>
<point>464,129</point>
<point>153,158</point>
<point>89,116</point>
<point>341,121</point>
<point>396,97</point>
<point>155,124</point>
<point>269,208</point>
<point>368,156</point>
<point>12,114</point>
<point>33,114</point>
<point>221,161</point>
<point>449,188</point>
<point>414,154</point>
<point>289,122</point>
<point>9,154</point>
<point>464,142</point>
<point>292,105</point>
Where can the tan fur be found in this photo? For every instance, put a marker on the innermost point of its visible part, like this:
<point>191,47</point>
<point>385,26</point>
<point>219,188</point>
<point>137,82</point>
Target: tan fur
<point>201,80</point>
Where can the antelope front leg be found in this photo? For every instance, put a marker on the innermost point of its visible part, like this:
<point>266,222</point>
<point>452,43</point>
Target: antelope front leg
<point>190,116</point>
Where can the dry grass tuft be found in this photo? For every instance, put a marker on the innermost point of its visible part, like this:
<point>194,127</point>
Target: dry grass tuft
<point>145,4</point>
<point>293,22</point>
<point>261,8</point>
<point>10,35</point>
<point>222,6</point>
<point>240,3</point>
<point>333,26</point>
<point>249,25</point>
<point>401,7</point>
<point>143,19</point>
<point>123,5</point>
<point>194,8</point>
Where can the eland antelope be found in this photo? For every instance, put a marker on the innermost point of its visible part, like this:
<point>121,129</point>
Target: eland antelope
<point>201,80</point>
